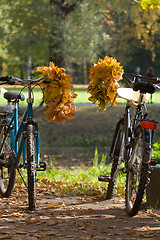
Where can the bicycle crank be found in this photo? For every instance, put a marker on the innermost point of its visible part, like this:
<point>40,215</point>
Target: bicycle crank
<point>103,178</point>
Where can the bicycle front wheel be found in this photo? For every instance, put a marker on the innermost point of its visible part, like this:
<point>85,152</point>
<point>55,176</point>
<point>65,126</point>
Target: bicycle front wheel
<point>138,174</point>
<point>7,169</point>
<point>31,167</point>
<point>116,155</point>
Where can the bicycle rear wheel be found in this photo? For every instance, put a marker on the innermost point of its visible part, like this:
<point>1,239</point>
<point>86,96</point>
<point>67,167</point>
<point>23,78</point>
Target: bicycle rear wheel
<point>31,166</point>
<point>138,174</point>
<point>116,155</point>
<point>7,169</point>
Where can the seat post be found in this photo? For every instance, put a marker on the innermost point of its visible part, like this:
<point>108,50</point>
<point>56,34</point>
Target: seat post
<point>9,107</point>
<point>16,124</point>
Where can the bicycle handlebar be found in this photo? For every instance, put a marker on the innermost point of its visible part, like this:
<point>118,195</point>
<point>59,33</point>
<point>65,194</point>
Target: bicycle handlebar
<point>146,79</point>
<point>7,79</point>
<point>13,80</point>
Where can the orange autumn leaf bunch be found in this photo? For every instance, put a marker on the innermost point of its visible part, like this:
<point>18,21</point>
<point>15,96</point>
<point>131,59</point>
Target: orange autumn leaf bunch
<point>57,93</point>
<point>104,81</point>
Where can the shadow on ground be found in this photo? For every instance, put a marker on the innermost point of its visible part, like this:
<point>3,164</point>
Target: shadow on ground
<point>73,218</point>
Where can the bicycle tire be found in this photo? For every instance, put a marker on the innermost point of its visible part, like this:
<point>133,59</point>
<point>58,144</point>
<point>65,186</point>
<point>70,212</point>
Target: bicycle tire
<point>31,167</point>
<point>116,149</point>
<point>137,174</point>
<point>7,168</point>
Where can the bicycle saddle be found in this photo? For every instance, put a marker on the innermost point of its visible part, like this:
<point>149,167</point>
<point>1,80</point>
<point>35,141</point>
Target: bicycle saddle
<point>14,96</point>
<point>144,87</point>
<point>131,95</point>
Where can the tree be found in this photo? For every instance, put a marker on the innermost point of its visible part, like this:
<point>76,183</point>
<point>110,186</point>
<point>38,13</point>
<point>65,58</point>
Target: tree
<point>24,28</point>
<point>85,39</point>
<point>133,32</point>
<point>59,10</point>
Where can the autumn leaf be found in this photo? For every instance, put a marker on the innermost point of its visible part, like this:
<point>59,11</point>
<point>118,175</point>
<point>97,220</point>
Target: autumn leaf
<point>57,93</point>
<point>104,82</point>
<point>131,233</point>
<point>146,4</point>
<point>90,210</point>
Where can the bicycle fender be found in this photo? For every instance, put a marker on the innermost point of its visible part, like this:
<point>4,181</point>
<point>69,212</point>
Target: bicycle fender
<point>115,131</point>
<point>147,144</point>
<point>32,122</point>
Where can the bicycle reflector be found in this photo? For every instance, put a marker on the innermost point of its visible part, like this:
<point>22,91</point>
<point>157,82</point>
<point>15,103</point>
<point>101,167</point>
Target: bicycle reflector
<point>149,125</point>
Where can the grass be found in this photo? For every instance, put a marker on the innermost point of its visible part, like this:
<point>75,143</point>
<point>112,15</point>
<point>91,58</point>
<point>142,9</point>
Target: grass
<point>81,98</point>
<point>75,141</point>
<point>37,95</point>
<point>73,145</point>
<point>80,181</point>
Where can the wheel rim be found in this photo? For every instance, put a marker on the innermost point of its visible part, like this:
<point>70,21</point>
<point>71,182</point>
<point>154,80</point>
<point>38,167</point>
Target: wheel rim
<point>118,150</point>
<point>5,171</point>
<point>118,153</point>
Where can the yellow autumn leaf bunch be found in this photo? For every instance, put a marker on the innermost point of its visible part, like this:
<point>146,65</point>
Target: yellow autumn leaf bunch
<point>57,93</point>
<point>146,4</point>
<point>104,81</point>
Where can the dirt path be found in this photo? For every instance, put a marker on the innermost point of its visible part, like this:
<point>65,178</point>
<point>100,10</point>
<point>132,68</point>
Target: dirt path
<point>73,218</point>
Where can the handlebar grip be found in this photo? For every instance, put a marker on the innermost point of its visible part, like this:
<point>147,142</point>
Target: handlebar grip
<point>143,78</point>
<point>4,79</point>
<point>7,79</point>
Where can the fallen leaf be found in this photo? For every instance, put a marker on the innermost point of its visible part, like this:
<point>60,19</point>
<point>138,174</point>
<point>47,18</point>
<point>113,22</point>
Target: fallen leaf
<point>131,233</point>
<point>91,210</point>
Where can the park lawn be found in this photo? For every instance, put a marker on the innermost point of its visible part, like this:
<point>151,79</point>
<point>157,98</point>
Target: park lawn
<point>82,96</point>
<point>74,142</point>
<point>79,181</point>
<point>37,95</point>
<point>69,150</point>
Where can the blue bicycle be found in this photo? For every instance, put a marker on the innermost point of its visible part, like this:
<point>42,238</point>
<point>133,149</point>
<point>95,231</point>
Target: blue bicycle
<point>19,141</point>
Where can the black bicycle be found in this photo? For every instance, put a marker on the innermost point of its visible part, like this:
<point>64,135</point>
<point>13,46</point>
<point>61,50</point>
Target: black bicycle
<point>132,141</point>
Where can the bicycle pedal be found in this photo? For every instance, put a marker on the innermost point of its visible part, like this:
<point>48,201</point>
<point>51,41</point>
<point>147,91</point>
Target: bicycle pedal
<point>153,162</point>
<point>103,178</point>
<point>127,146</point>
<point>2,156</point>
<point>42,166</point>
<point>124,170</point>
<point>3,163</point>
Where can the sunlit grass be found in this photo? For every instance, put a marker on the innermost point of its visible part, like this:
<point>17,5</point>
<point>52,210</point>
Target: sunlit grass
<point>80,180</point>
<point>81,98</point>
<point>37,95</point>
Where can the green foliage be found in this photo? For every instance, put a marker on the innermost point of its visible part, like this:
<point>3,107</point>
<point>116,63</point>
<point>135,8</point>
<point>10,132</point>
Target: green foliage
<point>75,33</point>
<point>23,24</point>
<point>96,156</point>
<point>156,152</point>
<point>80,180</point>
<point>96,159</point>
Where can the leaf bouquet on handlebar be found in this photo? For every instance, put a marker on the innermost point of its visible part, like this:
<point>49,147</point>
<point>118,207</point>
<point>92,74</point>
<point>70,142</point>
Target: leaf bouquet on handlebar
<point>19,137</point>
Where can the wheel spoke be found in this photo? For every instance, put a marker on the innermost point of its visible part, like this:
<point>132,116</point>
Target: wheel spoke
<point>136,177</point>
<point>7,171</point>
<point>117,156</point>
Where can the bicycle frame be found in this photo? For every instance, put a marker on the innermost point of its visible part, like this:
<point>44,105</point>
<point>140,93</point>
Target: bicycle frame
<point>17,131</point>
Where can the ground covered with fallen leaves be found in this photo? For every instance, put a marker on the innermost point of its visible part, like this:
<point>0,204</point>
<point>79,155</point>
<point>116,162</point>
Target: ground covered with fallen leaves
<point>71,217</point>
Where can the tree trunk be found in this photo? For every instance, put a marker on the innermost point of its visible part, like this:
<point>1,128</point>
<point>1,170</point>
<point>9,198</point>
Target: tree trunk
<point>59,9</point>
<point>85,72</point>
<point>29,67</point>
<point>21,67</point>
